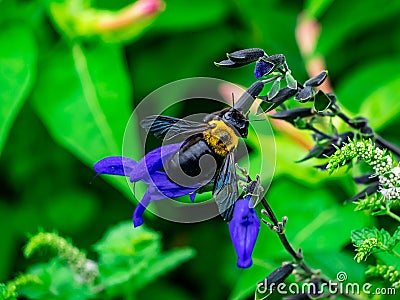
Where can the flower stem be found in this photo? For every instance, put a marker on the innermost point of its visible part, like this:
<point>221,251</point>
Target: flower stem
<point>298,257</point>
<point>392,215</point>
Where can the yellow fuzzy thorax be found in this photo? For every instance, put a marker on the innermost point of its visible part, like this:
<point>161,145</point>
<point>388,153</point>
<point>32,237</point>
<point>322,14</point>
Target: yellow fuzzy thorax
<point>221,138</point>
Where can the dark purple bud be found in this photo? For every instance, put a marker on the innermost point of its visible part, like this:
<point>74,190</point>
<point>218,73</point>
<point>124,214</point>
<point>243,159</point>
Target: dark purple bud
<point>266,106</point>
<point>384,144</point>
<point>316,151</point>
<point>276,277</point>
<point>305,94</point>
<point>371,189</point>
<point>227,63</point>
<point>283,95</point>
<point>358,122</point>
<point>317,80</point>
<point>321,167</point>
<point>366,179</point>
<point>367,132</point>
<point>246,100</point>
<point>246,55</point>
<point>291,114</point>
<point>277,59</point>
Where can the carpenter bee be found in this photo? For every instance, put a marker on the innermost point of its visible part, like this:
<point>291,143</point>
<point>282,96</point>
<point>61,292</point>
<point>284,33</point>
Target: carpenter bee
<point>207,155</point>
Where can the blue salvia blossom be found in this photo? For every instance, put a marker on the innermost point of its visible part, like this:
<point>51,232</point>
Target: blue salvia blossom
<point>243,227</point>
<point>148,171</point>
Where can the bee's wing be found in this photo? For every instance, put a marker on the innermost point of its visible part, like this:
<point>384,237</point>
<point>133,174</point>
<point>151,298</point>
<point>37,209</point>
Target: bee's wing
<point>162,126</point>
<point>225,188</point>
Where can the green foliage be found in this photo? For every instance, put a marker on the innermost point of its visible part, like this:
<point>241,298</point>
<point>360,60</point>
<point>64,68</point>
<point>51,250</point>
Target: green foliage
<point>128,260</point>
<point>66,93</point>
<point>18,56</point>
<point>370,240</point>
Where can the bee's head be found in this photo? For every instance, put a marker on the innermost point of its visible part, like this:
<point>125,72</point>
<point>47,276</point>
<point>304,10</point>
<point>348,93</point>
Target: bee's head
<point>233,118</point>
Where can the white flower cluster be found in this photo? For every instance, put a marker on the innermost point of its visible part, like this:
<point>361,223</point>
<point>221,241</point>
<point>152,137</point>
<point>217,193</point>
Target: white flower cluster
<point>381,162</point>
<point>390,183</point>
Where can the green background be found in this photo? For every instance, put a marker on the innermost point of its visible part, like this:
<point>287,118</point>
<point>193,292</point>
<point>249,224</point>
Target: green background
<point>64,105</point>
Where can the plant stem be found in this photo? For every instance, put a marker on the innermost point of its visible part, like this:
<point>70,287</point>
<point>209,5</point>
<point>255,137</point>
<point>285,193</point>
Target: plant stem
<point>392,215</point>
<point>298,257</point>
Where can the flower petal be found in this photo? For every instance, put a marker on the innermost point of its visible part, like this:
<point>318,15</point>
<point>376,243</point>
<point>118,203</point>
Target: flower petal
<point>263,68</point>
<point>168,188</point>
<point>137,217</point>
<point>244,228</point>
<point>153,161</point>
<point>115,165</point>
<point>161,188</point>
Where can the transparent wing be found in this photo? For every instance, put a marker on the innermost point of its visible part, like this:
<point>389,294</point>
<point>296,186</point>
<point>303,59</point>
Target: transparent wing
<point>170,127</point>
<point>225,188</point>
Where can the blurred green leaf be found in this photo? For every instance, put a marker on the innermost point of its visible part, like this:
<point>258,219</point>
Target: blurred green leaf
<point>133,256</point>
<point>247,282</point>
<point>58,283</point>
<point>184,16</point>
<point>125,252</point>
<point>360,83</point>
<point>315,8</point>
<point>84,107</point>
<point>382,106</point>
<point>164,263</point>
<point>60,213</point>
<point>18,55</point>
<point>334,262</point>
<point>358,19</point>
<point>123,239</point>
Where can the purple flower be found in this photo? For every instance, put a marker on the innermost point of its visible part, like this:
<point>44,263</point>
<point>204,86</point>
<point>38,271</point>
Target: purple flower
<point>263,68</point>
<point>244,228</point>
<point>148,171</point>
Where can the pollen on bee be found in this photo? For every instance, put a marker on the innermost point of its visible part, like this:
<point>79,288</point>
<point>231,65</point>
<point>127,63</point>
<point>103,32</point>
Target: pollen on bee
<point>220,137</point>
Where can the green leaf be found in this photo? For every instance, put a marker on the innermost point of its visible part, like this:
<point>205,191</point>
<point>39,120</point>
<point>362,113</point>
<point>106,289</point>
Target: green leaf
<point>366,76</point>
<point>125,252</point>
<point>164,263</point>
<point>183,16</point>
<point>18,55</point>
<point>358,19</point>
<point>247,282</point>
<point>57,279</point>
<point>383,105</point>
<point>315,8</point>
<point>321,101</point>
<point>334,262</point>
<point>360,235</point>
<point>123,239</point>
<point>84,100</point>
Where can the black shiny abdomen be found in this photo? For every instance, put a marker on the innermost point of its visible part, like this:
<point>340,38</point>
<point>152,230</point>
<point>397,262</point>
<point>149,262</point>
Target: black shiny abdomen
<point>194,163</point>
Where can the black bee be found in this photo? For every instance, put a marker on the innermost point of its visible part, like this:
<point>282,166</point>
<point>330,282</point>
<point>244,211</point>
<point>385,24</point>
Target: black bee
<point>216,137</point>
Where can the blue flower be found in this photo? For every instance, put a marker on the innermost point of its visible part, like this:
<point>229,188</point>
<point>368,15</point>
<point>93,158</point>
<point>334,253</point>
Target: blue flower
<point>244,228</point>
<point>263,68</point>
<point>148,171</point>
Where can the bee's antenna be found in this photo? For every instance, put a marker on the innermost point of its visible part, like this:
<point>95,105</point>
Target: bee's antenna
<point>233,100</point>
